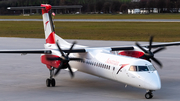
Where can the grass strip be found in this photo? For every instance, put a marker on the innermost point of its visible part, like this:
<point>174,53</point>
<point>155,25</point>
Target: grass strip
<point>99,16</point>
<point>122,31</point>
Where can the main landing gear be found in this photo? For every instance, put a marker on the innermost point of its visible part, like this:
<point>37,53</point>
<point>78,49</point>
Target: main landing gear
<point>149,95</point>
<point>51,81</point>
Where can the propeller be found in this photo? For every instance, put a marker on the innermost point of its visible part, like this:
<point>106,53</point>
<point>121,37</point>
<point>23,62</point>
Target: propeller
<point>148,54</point>
<point>64,60</point>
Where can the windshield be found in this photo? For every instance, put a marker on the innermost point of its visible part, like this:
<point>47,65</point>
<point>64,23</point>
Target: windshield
<point>142,68</point>
<point>151,68</point>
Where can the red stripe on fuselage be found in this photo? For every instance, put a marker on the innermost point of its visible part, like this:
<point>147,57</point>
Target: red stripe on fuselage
<point>51,38</point>
<point>122,66</point>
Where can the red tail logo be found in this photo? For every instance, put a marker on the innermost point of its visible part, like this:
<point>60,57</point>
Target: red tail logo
<point>51,38</point>
<point>46,25</point>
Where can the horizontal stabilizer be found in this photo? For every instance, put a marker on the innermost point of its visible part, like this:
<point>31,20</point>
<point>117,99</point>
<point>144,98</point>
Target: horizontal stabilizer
<point>30,7</point>
<point>39,7</point>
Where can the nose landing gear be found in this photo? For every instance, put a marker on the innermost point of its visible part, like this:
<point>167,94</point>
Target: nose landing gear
<point>149,95</point>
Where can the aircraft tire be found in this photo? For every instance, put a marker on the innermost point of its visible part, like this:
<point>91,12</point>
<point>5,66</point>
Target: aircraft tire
<point>148,95</point>
<point>53,82</point>
<point>48,82</point>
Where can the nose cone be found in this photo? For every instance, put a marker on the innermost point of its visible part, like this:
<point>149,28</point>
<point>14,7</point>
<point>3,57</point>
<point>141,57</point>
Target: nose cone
<point>154,84</point>
<point>153,81</point>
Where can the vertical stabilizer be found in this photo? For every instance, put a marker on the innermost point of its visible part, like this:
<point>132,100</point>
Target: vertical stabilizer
<point>48,24</point>
<point>50,35</point>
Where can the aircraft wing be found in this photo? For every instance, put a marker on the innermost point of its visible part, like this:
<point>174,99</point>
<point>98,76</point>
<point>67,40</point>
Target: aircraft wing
<point>163,44</point>
<point>75,50</point>
<point>147,46</point>
<point>121,48</point>
<point>40,51</point>
<point>28,51</point>
<point>83,50</point>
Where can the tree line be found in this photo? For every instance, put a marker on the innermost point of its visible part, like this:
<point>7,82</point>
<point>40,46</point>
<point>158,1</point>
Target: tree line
<point>98,6</point>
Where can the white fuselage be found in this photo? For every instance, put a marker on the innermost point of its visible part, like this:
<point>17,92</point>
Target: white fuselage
<point>116,67</point>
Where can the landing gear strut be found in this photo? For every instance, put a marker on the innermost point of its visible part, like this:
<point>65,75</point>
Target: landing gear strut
<point>149,95</point>
<point>51,81</point>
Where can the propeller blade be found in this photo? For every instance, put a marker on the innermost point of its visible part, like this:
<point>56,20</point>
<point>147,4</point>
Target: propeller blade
<point>155,60</point>
<point>65,60</point>
<point>58,69</point>
<point>60,49</point>
<point>71,48</point>
<point>160,49</point>
<point>137,44</point>
<point>70,70</point>
<point>150,43</point>
<point>148,54</point>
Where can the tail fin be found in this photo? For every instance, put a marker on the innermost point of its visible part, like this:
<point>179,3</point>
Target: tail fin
<point>50,35</point>
<point>48,24</point>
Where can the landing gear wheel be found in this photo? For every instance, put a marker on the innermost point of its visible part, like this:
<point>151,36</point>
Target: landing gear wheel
<point>53,82</point>
<point>148,95</point>
<point>48,82</point>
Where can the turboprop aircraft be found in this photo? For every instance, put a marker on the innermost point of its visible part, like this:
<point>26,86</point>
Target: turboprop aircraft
<point>130,66</point>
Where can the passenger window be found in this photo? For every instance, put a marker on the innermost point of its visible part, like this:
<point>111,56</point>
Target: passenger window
<point>133,68</point>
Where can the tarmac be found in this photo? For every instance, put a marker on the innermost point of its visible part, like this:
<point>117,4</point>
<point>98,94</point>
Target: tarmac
<point>22,77</point>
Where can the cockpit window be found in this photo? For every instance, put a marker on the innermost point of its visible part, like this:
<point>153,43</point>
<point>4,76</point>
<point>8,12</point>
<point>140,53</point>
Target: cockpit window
<point>133,68</point>
<point>151,68</point>
<point>142,68</point>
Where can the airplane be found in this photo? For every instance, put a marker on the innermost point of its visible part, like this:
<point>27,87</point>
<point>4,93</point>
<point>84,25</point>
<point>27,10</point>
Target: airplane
<point>131,66</point>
